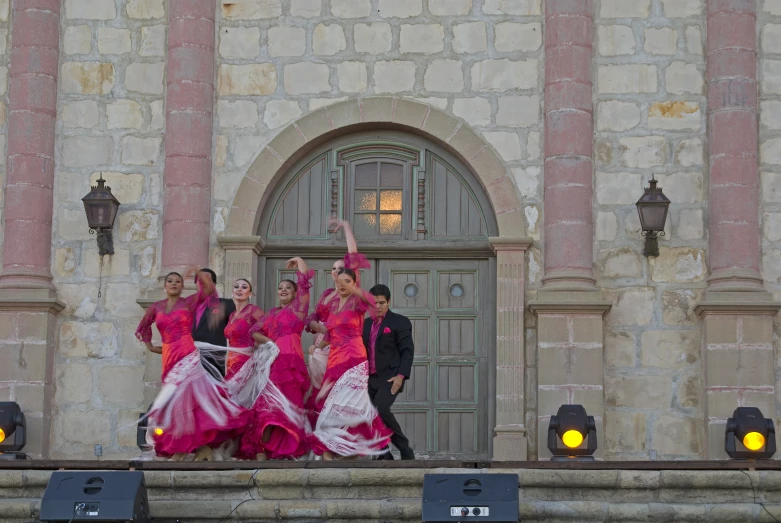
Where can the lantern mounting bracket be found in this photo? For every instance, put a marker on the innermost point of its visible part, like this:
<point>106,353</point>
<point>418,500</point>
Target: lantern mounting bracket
<point>105,238</point>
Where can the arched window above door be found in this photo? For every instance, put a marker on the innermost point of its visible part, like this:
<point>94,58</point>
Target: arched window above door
<point>391,187</point>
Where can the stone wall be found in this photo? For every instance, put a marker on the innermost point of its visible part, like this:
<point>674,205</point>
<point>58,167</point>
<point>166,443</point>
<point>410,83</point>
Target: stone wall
<point>481,61</point>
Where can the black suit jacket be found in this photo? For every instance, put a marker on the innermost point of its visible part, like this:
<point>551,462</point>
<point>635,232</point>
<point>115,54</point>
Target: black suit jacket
<point>202,332</point>
<point>395,350</point>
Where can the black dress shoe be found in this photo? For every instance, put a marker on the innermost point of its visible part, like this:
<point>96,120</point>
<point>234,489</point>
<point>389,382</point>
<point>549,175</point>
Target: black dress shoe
<point>386,456</point>
<point>408,454</point>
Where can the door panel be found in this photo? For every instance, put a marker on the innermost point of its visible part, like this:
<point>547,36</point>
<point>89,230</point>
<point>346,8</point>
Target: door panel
<point>455,373</point>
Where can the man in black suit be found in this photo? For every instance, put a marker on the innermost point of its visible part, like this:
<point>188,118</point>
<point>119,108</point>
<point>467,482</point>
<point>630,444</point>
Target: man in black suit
<point>388,341</point>
<point>210,328</point>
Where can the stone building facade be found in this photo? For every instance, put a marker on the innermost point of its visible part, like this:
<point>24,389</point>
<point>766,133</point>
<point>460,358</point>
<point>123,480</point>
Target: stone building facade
<point>559,111</point>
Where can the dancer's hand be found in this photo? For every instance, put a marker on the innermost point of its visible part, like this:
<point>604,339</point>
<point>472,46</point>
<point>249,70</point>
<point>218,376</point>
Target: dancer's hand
<point>397,382</point>
<point>311,349</point>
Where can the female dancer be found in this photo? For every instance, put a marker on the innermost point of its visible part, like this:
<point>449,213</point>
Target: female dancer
<point>242,324</point>
<point>347,422</point>
<point>281,433</point>
<point>192,412</point>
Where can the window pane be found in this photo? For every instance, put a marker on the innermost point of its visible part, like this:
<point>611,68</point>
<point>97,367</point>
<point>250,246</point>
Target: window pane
<point>366,175</point>
<point>391,175</point>
<point>390,200</point>
<point>390,224</point>
<point>366,201</point>
<point>365,224</point>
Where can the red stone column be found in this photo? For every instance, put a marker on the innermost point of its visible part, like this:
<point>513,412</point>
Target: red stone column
<point>29,190</point>
<point>189,103</point>
<point>732,125</point>
<point>568,145</point>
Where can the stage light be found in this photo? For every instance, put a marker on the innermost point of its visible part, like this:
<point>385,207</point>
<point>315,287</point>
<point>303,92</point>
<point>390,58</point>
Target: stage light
<point>572,434</point>
<point>159,431</point>
<point>13,431</point>
<point>749,435</point>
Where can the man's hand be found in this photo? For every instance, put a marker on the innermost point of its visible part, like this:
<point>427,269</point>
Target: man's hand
<point>216,317</point>
<point>397,382</point>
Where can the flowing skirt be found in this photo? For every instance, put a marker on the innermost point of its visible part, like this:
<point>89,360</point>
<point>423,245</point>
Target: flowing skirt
<point>347,422</point>
<point>192,409</point>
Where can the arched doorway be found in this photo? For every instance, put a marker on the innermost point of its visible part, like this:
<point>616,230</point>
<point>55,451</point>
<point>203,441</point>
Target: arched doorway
<point>439,216</point>
<point>424,223</point>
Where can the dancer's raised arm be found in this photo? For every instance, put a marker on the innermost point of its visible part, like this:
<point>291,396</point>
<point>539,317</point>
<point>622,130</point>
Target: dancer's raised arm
<point>304,277</point>
<point>352,246</point>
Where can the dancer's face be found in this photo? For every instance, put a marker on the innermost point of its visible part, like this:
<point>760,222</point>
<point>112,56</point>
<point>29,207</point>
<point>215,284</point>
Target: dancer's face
<point>285,292</point>
<point>338,265</point>
<point>344,285</point>
<point>241,290</point>
<point>173,285</point>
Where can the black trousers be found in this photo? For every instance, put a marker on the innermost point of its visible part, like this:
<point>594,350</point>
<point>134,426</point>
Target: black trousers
<point>380,394</point>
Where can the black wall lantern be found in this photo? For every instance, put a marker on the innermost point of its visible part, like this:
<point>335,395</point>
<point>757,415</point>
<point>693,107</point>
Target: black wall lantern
<point>101,208</point>
<point>652,208</point>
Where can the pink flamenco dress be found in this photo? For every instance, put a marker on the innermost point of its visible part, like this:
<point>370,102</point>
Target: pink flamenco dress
<point>347,422</point>
<point>192,409</point>
<point>287,415</point>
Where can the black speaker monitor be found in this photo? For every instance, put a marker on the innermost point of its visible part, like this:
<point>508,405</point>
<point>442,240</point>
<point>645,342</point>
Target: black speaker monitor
<point>74,496</point>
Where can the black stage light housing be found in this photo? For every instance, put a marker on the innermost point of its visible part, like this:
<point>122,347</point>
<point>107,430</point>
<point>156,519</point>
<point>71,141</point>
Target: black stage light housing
<point>749,435</point>
<point>13,431</point>
<point>572,434</point>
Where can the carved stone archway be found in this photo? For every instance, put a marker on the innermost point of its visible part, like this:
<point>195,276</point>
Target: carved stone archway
<point>243,246</point>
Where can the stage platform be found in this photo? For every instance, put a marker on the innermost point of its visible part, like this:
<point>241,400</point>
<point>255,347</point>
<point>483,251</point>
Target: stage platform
<point>370,491</point>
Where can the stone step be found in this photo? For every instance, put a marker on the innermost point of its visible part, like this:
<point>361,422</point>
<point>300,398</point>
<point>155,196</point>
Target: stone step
<point>381,495</point>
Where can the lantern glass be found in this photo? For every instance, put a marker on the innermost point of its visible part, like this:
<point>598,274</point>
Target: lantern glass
<point>652,216</point>
<point>101,207</point>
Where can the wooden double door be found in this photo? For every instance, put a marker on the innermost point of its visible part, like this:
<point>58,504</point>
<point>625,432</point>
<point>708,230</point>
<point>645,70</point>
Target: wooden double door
<point>445,409</point>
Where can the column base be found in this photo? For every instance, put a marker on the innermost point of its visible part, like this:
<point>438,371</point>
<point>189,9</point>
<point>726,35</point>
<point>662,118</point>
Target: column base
<point>737,302</point>
<point>735,280</point>
<point>569,280</point>
<point>510,443</point>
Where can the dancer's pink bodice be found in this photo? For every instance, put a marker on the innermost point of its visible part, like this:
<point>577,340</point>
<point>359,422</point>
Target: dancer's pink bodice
<point>287,320</point>
<point>241,326</point>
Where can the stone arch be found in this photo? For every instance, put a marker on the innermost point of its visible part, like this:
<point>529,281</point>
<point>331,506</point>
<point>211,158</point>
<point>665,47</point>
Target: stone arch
<point>301,136</point>
<point>243,247</point>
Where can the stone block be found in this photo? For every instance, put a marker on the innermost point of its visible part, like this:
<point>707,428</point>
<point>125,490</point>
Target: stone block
<point>694,40</point>
<point>625,8</point>
<point>630,78</point>
<point>23,361</point>
<point>689,152</point>
<point>399,8</point>
<point>85,428</point>
<point>562,366</point>
<point>512,7</point>
<point>86,77</point>
<point>618,188</point>
<point>86,151</point>
<point>614,115</point>
<point>351,8</point>
<point>240,42</point>
<point>280,112</point>
<point>770,114</point>
<point>90,9</point>
<point>83,114</point>
<point>158,118</point>
<point>306,8</point>
<point>237,114</point>
<point>31,398</point>
<point>683,187</point>
<point>606,226</point>
<point>124,114</point>
<point>469,37</point>
<point>138,225</point>
<point>510,37</point>
<point>77,39</point>
<point>674,115</point>
<point>112,40</point>
<point>121,299</point>
<point>678,306</point>
<point>503,75</point>
<point>622,262</point>
<point>679,436</point>
<point>641,152</point>
<point>88,340</point>
<point>669,349</point>
<point>74,383</point>
<point>682,8</point>
<point>662,41</point>
<point>552,329</point>
<point>328,39</point>
<point>140,151</point>
<point>639,392</point>
<point>625,431</point>
<point>615,40</point>
<point>444,76</point>
<point>145,78</point>
<point>286,41</point>
<point>394,76</point>
<point>449,7</point>
<point>251,9</point>
<point>353,77</point>
<point>116,265</point>
<point>771,38</point>
<point>119,385</point>
<point>152,41</point>
<point>145,9</point>
<point>678,264</point>
<point>721,329</point>
<point>247,80</point>
<point>620,349</point>
<point>422,38</point>
<point>64,265</point>
<point>682,77</point>
<point>771,76</point>
<point>245,148</point>
<point>549,401</point>
<point>507,144</point>
<point>476,111</point>
<point>518,111</point>
<point>306,77</point>
<point>128,188</point>
<point>688,391</point>
<point>739,368</point>
<point>374,38</point>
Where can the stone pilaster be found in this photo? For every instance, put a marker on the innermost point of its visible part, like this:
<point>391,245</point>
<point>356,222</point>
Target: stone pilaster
<point>241,261</point>
<point>510,437</point>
